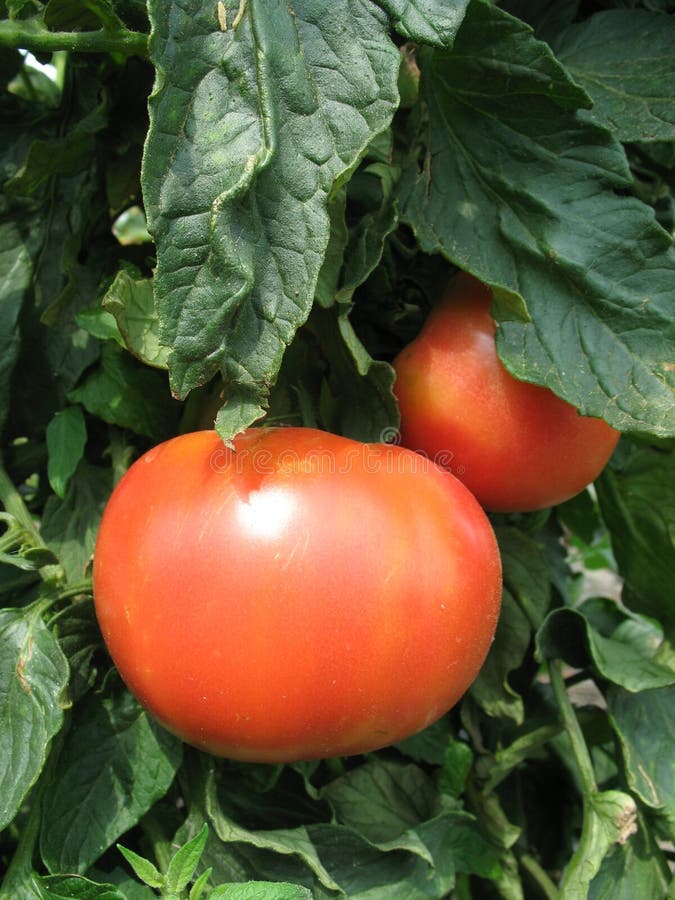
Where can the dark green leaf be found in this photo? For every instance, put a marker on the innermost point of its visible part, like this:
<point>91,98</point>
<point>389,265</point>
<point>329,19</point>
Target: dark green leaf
<point>643,723</point>
<point>123,393</point>
<point>547,17</point>
<point>75,887</point>
<point>427,21</point>
<point>33,678</point>
<point>69,526</point>
<point>74,15</point>
<point>96,797</point>
<point>428,746</point>
<point>382,800</point>
<point>625,60</point>
<point>526,572</point>
<point>491,689</point>
<point>15,274</point>
<point>241,239</point>
<point>637,502</point>
<point>130,299</point>
<point>519,190</point>
<point>66,440</point>
<point>79,636</point>
<point>360,403</point>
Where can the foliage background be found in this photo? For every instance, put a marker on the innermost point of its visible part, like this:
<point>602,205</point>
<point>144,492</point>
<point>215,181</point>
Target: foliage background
<point>311,174</point>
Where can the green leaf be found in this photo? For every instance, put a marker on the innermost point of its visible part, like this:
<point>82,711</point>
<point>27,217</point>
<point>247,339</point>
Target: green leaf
<point>547,17</point>
<point>521,191</point>
<point>427,21</point>
<point>360,403</point>
<point>637,502</point>
<point>199,886</point>
<point>525,572</point>
<point>123,393</point>
<point>96,797</point>
<point>15,275</point>
<point>33,678</point>
<point>146,870</point>
<point>644,722</point>
<point>185,861</point>
<point>428,746</point>
<point>260,890</point>
<point>457,762</point>
<point>101,324</point>
<point>80,637</point>
<point>75,887</point>
<point>609,818</point>
<point>74,15</point>
<point>69,526</point>
<point>382,800</point>
<point>625,654</point>
<point>632,869</point>
<point>491,689</point>
<point>66,440</point>
<point>130,299</point>
<point>624,59</point>
<point>241,238</point>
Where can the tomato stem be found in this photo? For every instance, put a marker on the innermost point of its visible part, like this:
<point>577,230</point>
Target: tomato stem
<point>20,35</point>
<point>571,724</point>
<point>13,502</point>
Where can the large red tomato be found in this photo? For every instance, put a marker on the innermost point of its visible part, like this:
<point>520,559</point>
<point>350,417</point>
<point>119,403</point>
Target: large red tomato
<point>300,596</point>
<point>515,445</point>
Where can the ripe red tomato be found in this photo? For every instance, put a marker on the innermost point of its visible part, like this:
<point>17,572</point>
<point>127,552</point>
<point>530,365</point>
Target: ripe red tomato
<point>516,446</point>
<point>302,596</point>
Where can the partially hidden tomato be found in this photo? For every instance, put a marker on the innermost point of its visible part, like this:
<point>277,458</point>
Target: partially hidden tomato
<point>299,596</point>
<point>516,446</point>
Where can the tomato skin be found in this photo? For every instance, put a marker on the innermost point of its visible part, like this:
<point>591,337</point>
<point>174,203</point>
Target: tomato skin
<point>301,597</point>
<point>517,446</point>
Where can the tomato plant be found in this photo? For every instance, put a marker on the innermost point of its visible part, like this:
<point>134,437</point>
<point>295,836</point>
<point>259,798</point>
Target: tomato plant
<point>238,213</point>
<point>299,596</point>
<point>515,445</point>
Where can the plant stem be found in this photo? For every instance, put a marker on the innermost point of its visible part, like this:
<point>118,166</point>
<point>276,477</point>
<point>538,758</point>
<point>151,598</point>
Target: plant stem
<point>24,35</point>
<point>573,729</point>
<point>540,877</point>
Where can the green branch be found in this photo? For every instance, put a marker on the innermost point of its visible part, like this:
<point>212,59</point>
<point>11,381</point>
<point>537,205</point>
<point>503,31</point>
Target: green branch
<point>30,35</point>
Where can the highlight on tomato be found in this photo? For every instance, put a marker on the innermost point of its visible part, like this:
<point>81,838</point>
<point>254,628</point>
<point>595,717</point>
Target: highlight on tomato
<point>299,596</point>
<point>516,446</point>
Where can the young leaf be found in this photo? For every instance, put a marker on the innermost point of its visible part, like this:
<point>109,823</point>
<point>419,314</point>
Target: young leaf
<point>33,678</point>
<point>98,796</point>
<point>185,861</point>
<point>130,299</point>
<point>519,190</point>
<point>271,128</point>
<point>66,440</point>
<point>624,59</point>
<point>146,870</point>
<point>199,886</point>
